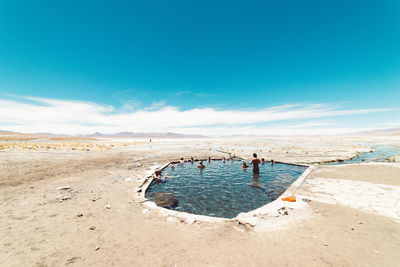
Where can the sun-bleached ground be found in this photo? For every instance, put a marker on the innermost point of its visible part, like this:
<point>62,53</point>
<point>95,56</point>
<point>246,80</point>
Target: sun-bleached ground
<point>39,223</point>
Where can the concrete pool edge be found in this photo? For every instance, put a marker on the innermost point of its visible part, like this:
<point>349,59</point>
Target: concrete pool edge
<point>243,218</point>
<point>272,207</point>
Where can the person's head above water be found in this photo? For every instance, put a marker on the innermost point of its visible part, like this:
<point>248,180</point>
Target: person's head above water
<point>254,155</point>
<point>200,164</point>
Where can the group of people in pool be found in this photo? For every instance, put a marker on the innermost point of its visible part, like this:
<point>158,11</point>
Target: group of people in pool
<point>202,166</point>
<point>255,162</point>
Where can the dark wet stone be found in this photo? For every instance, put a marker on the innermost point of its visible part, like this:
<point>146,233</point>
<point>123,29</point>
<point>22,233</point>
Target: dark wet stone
<point>165,200</point>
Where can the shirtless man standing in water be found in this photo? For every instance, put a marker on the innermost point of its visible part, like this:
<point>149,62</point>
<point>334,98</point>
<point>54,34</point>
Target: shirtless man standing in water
<point>255,161</point>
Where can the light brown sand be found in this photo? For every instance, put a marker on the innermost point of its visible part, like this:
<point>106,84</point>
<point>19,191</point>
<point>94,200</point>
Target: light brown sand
<point>36,229</point>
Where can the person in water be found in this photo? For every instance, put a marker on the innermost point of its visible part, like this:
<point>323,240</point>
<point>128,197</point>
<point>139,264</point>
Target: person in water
<point>255,161</point>
<point>223,159</point>
<point>181,161</point>
<point>201,165</point>
<point>191,159</point>
<point>209,159</point>
<point>272,162</point>
<point>262,161</point>
<point>157,173</point>
<point>164,178</point>
<point>244,165</point>
<point>158,178</point>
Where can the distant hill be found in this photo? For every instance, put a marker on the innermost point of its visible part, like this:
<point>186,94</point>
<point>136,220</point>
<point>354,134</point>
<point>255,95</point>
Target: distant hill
<point>390,131</point>
<point>143,135</point>
<point>7,132</point>
<point>116,135</point>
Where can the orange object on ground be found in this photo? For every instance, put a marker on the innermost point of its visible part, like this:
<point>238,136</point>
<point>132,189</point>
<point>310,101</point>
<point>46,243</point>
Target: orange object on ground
<point>290,199</point>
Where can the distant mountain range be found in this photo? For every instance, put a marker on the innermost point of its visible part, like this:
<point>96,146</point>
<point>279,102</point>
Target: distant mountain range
<point>390,131</point>
<point>116,135</point>
<point>143,135</point>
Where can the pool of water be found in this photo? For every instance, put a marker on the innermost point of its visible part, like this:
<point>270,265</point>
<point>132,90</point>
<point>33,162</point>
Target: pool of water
<point>380,153</point>
<point>224,189</point>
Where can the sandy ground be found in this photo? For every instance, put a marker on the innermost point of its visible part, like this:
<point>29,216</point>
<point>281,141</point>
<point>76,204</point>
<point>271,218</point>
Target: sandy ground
<point>37,229</point>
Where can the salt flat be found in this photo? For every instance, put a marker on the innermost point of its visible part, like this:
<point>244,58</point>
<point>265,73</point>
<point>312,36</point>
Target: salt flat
<point>378,198</point>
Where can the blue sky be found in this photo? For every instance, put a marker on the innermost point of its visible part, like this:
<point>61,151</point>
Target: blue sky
<point>124,59</point>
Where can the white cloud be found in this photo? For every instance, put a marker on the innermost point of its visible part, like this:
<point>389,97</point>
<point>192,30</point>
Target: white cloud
<point>395,124</point>
<point>78,117</point>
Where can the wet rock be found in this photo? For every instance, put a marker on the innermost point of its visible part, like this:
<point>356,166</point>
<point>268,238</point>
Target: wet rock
<point>64,187</point>
<point>250,220</point>
<point>191,220</point>
<point>97,248</point>
<point>61,198</point>
<point>283,211</point>
<point>165,200</point>
<point>92,228</point>
<point>79,215</point>
<point>72,260</point>
<point>108,206</point>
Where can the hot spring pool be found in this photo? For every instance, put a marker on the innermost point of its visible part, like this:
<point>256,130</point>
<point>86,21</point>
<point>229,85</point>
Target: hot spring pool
<point>224,189</point>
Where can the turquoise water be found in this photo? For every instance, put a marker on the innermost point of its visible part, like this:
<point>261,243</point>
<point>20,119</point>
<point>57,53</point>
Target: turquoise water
<point>380,153</point>
<point>224,189</point>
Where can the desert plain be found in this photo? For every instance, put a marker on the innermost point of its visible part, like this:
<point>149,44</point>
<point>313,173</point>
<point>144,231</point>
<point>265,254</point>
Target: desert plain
<point>75,201</point>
